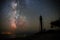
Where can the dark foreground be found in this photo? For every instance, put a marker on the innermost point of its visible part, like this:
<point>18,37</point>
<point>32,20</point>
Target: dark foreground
<point>48,35</point>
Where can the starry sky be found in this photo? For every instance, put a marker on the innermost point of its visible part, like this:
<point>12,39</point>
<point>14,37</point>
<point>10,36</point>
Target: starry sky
<point>29,11</point>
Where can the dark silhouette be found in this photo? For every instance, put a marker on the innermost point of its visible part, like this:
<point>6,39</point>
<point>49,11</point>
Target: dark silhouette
<point>55,24</point>
<point>41,23</point>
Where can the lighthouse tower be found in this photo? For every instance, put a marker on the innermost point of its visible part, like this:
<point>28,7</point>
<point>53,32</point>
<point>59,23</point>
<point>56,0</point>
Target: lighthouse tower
<point>41,23</point>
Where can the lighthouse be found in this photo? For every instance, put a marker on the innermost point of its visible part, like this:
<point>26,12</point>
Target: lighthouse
<point>40,18</point>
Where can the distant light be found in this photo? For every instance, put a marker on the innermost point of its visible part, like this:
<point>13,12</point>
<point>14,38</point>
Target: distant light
<point>6,33</point>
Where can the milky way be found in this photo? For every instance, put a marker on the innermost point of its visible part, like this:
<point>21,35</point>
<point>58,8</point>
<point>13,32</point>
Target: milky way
<point>16,20</point>
<point>13,16</point>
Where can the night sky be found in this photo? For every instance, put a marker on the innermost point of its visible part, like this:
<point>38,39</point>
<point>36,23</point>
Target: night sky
<point>29,11</point>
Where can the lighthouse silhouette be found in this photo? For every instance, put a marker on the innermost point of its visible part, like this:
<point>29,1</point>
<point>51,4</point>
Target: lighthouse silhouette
<point>40,18</point>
